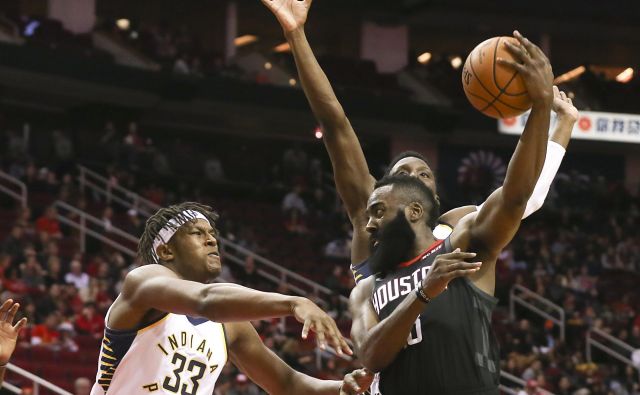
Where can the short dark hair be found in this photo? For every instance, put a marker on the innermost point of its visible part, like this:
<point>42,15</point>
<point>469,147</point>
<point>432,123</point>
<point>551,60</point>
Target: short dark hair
<point>162,218</point>
<point>413,190</point>
<point>401,156</point>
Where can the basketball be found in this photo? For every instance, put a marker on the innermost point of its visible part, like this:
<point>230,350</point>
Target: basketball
<point>494,89</point>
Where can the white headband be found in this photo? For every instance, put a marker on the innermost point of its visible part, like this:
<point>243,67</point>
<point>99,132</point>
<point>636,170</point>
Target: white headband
<point>165,234</point>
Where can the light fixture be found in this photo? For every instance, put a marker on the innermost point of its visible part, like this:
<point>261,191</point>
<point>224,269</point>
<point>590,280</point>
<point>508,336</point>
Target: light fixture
<point>424,58</point>
<point>293,82</point>
<point>284,47</point>
<point>123,24</point>
<point>318,132</point>
<point>456,62</point>
<point>268,66</point>
<point>245,40</point>
<point>625,76</point>
<point>570,75</point>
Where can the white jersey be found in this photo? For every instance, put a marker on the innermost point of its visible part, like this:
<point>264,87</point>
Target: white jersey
<point>175,355</point>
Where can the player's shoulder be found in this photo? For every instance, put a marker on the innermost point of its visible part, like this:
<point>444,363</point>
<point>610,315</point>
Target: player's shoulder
<point>362,290</point>
<point>145,274</point>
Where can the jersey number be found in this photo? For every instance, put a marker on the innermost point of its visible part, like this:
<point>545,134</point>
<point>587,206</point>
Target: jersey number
<point>196,367</point>
<point>415,336</point>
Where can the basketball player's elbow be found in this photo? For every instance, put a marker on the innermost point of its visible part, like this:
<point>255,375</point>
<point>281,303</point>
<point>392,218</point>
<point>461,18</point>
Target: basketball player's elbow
<point>516,198</point>
<point>373,357</point>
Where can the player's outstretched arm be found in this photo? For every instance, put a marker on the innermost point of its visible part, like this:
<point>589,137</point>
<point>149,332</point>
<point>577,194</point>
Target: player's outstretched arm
<point>157,287</point>
<point>379,342</point>
<point>353,180</point>
<point>496,223</point>
<point>267,370</point>
<point>558,142</point>
<point>8,333</point>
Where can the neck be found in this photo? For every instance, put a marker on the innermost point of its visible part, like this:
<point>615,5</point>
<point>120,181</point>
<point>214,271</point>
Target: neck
<point>423,241</point>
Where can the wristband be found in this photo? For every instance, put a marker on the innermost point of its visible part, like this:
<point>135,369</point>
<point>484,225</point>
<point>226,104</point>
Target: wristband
<point>422,296</point>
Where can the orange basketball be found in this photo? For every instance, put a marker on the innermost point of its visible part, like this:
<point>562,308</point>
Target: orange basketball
<point>493,89</point>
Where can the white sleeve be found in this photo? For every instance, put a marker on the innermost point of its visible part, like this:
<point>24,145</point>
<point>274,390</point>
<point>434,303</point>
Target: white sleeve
<point>555,154</point>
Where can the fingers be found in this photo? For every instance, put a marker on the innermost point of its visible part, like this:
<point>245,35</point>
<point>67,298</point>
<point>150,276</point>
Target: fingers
<point>531,48</point>
<point>457,255</point>
<point>322,340</point>
<point>563,96</point>
<point>305,329</point>
<point>462,266</point>
<point>12,313</point>
<point>556,91</point>
<point>349,385</point>
<point>509,63</point>
<point>6,306</point>
<point>518,52</point>
<point>20,324</point>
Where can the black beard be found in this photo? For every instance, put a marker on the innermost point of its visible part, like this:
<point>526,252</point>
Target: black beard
<point>395,242</point>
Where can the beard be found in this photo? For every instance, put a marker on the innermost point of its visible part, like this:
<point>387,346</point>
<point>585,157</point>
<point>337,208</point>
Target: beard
<point>395,242</point>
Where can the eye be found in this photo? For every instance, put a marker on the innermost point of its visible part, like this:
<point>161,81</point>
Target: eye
<point>402,173</point>
<point>379,212</point>
<point>425,175</point>
<point>196,232</point>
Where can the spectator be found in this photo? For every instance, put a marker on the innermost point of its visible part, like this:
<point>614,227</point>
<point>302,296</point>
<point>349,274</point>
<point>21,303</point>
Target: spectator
<point>14,243</point>
<point>90,322</point>
<point>48,223</point>
<point>76,276</point>
<point>46,334</point>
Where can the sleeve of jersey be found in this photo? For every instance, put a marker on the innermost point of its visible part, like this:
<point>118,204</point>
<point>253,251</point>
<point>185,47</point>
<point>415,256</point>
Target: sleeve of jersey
<point>360,271</point>
<point>555,154</point>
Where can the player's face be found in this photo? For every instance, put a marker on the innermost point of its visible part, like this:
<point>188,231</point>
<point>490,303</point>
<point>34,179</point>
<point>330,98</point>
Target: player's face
<point>382,208</point>
<point>416,167</point>
<point>196,249</point>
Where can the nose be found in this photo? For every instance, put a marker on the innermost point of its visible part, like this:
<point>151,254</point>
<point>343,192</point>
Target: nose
<point>211,240</point>
<point>372,225</point>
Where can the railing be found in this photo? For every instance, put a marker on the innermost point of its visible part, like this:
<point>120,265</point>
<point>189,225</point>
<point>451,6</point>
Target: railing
<point>115,193</point>
<point>524,297</point>
<point>596,338</point>
<point>276,273</point>
<point>86,225</point>
<point>20,196</point>
<point>518,381</point>
<point>37,382</point>
<point>235,253</point>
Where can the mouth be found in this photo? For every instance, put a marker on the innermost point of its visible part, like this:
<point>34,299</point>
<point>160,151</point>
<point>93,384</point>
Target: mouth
<point>215,254</point>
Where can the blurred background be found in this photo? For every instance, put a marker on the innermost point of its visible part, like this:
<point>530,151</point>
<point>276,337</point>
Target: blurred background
<point>112,108</point>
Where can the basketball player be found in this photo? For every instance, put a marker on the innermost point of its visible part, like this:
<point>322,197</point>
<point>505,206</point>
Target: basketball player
<point>8,333</point>
<point>427,326</point>
<point>353,181</point>
<point>171,331</point>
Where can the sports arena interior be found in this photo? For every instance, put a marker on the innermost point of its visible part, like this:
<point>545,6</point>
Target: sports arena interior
<point>111,109</point>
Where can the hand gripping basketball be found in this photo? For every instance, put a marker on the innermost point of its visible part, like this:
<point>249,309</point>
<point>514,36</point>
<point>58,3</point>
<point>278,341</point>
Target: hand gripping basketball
<point>534,67</point>
<point>445,268</point>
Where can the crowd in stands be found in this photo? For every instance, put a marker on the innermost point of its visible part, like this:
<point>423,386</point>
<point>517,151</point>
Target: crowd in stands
<point>581,251</point>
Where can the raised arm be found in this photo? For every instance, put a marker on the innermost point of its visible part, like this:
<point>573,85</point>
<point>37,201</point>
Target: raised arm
<point>488,231</point>
<point>377,342</point>
<point>352,177</point>
<point>155,287</point>
<point>267,370</point>
<point>556,147</point>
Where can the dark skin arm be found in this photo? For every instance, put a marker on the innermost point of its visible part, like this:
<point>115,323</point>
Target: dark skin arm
<point>267,370</point>
<point>561,134</point>
<point>493,227</point>
<point>354,182</point>
<point>379,342</point>
<point>153,289</point>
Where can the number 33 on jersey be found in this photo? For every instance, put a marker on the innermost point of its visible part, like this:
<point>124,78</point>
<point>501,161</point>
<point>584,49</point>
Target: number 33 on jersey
<point>175,355</point>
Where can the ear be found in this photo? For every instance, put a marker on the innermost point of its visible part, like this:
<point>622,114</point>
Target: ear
<point>165,253</point>
<point>414,212</point>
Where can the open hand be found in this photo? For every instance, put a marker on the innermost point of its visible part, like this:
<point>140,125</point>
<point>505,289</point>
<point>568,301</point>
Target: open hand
<point>316,320</point>
<point>8,331</point>
<point>292,14</point>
